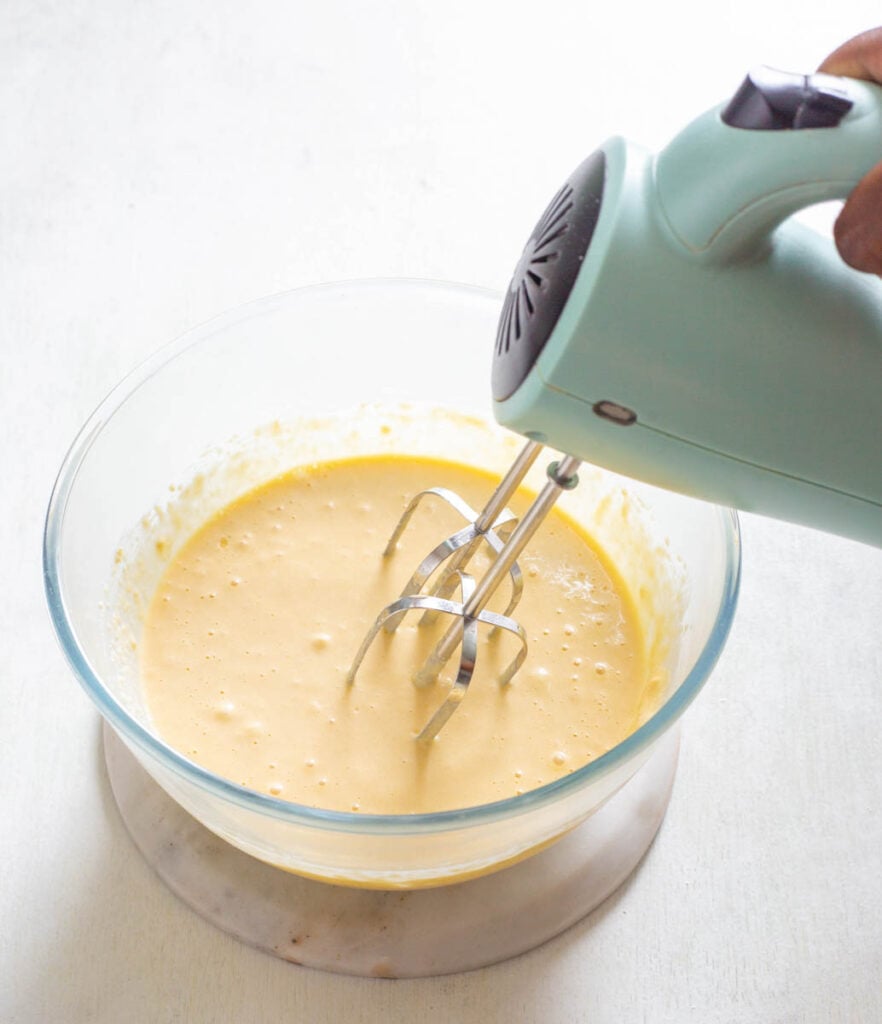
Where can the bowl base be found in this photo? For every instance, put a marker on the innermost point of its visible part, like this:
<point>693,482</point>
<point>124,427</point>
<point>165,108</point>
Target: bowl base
<point>401,933</point>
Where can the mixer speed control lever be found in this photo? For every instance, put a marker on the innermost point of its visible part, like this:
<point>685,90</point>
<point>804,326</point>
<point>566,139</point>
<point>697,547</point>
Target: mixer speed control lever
<point>770,100</point>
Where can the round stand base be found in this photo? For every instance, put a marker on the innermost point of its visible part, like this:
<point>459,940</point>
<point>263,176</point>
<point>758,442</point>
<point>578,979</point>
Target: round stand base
<point>394,934</point>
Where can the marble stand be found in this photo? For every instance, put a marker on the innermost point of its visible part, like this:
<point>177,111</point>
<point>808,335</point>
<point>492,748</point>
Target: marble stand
<point>394,934</point>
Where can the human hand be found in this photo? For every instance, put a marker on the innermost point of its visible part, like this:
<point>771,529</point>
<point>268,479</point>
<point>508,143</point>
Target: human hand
<point>858,229</point>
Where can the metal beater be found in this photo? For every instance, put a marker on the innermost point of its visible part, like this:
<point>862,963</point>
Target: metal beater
<point>455,593</point>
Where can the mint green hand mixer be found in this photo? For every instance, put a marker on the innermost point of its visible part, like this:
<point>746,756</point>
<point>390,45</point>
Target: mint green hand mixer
<point>668,321</point>
<point>663,321</point>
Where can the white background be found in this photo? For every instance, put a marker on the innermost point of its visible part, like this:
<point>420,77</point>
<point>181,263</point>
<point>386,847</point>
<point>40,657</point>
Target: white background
<point>161,162</point>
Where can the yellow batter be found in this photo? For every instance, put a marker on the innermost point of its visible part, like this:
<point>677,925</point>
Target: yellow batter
<point>255,623</point>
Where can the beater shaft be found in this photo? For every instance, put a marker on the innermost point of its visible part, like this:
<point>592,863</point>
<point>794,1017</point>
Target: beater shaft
<point>508,485</point>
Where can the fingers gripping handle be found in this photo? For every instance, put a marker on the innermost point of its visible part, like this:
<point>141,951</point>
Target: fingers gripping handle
<point>723,185</point>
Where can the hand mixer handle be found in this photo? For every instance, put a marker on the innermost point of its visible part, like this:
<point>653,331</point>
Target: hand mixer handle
<point>783,142</point>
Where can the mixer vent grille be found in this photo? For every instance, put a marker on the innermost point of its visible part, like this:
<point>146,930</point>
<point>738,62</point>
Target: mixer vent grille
<point>545,275</point>
<point>523,295</point>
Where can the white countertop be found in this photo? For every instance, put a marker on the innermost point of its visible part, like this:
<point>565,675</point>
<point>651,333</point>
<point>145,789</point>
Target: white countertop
<point>162,162</point>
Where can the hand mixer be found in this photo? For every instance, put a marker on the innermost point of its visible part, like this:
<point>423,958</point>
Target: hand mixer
<point>665,323</point>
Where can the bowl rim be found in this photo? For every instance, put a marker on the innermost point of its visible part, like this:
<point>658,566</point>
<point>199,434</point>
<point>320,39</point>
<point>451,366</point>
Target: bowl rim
<point>134,733</point>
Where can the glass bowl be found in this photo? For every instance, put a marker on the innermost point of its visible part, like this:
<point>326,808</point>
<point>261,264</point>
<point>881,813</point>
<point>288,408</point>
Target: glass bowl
<point>321,372</point>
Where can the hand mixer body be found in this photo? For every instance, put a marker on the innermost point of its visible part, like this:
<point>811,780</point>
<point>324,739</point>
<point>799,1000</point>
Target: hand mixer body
<point>699,345</point>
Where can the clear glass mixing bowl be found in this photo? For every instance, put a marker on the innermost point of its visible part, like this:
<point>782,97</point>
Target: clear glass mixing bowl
<point>243,397</point>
